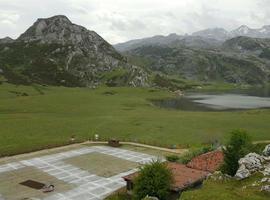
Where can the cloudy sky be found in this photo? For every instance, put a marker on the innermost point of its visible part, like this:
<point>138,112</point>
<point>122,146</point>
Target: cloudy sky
<point>122,20</point>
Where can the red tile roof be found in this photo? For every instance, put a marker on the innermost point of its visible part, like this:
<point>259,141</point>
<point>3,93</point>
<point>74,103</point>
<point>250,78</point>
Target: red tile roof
<point>210,161</point>
<point>183,176</point>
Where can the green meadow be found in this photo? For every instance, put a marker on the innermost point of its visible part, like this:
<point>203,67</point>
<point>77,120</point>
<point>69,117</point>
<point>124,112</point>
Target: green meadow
<point>37,117</point>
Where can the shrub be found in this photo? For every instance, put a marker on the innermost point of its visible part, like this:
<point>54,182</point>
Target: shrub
<point>154,180</point>
<point>238,145</point>
<point>172,158</point>
<point>15,76</point>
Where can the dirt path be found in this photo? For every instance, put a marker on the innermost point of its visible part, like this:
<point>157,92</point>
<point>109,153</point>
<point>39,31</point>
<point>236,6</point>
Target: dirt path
<point>180,151</point>
<point>74,146</point>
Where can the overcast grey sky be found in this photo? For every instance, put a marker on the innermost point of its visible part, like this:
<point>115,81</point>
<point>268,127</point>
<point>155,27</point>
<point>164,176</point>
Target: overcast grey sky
<point>122,20</point>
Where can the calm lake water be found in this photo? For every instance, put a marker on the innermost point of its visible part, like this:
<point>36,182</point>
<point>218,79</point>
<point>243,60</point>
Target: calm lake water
<point>219,101</point>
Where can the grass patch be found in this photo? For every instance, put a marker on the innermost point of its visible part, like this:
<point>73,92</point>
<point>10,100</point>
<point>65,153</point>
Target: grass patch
<point>172,158</point>
<point>49,119</point>
<point>227,190</point>
<point>216,86</point>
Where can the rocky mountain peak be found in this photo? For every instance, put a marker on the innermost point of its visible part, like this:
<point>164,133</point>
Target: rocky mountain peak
<point>55,19</point>
<point>173,35</point>
<point>242,30</point>
<point>215,33</point>
<point>59,29</point>
<point>243,27</point>
<point>71,55</point>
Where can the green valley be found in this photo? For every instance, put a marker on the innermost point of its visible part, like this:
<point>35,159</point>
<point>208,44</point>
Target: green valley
<point>37,117</point>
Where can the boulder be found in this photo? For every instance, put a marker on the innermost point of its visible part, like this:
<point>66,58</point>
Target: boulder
<point>265,188</point>
<point>252,161</point>
<point>266,151</point>
<point>249,164</point>
<point>266,171</point>
<point>242,173</point>
<point>265,180</point>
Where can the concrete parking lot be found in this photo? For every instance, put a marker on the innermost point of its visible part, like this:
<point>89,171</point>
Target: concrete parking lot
<point>89,173</point>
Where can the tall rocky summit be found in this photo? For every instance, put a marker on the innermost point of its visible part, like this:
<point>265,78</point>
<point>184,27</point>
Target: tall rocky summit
<point>55,51</point>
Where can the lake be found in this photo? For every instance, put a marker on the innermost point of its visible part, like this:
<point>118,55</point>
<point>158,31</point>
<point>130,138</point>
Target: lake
<point>255,98</point>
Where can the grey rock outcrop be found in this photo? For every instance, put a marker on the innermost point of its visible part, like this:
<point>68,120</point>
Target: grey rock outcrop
<point>242,173</point>
<point>265,188</point>
<point>252,163</point>
<point>59,29</point>
<point>265,180</point>
<point>266,151</point>
<point>266,171</point>
<point>248,165</point>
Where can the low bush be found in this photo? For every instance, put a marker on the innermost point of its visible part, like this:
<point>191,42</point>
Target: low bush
<point>172,158</point>
<point>154,180</point>
<point>238,145</point>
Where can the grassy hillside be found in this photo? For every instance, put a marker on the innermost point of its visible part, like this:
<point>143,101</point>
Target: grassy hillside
<point>202,64</point>
<point>35,117</point>
<point>61,65</point>
<point>25,63</point>
<point>228,190</point>
<point>217,189</point>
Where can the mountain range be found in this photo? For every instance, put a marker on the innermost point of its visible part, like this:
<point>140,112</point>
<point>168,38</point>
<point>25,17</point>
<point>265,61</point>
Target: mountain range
<point>54,51</point>
<point>203,39</point>
<point>240,60</point>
